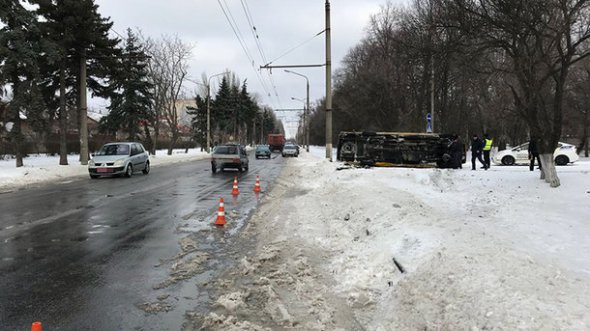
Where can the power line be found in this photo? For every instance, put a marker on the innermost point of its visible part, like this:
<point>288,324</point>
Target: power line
<point>238,35</point>
<point>239,32</point>
<point>258,43</point>
<point>294,48</point>
<point>253,30</point>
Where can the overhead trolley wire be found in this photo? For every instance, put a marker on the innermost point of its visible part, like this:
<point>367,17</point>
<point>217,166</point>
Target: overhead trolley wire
<point>258,43</point>
<point>296,47</point>
<point>240,38</point>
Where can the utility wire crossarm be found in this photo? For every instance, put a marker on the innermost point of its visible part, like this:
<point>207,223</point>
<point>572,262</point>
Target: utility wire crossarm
<point>266,66</point>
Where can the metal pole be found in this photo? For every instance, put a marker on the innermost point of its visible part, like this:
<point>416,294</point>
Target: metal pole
<point>328,85</point>
<point>208,117</point>
<point>305,112</point>
<point>432,68</point>
<point>306,120</point>
<point>432,92</point>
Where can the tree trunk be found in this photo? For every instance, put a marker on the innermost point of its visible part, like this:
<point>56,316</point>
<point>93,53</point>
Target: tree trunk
<point>83,111</point>
<point>586,129</point>
<point>172,142</point>
<point>18,139</point>
<point>156,134</point>
<point>63,116</point>
<point>148,137</point>
<point>548,171</point>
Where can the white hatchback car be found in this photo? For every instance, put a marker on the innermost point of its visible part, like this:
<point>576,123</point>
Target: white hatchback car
<point>122,158</point>
<point>564,154</point>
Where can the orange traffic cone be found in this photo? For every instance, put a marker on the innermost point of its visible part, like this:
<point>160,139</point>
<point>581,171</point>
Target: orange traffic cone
<point>36,326</point>
<point>257,185</point>
<point>235,190</point>
<point>220,213</point>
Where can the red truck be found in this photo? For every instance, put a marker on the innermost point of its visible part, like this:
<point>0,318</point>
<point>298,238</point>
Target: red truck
<point>276,141</point>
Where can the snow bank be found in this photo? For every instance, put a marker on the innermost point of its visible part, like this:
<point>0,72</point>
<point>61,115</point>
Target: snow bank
<point>420,249</point>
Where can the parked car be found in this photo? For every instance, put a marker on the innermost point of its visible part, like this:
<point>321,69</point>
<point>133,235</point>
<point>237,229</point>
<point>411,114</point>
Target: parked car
<point>119,158</point>
<point>290,150</point>
<point>563,154</point>
<point>229,156</point>
<point>262,151</point>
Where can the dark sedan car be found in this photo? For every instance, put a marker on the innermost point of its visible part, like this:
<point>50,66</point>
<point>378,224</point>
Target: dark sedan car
<point>262,151</point>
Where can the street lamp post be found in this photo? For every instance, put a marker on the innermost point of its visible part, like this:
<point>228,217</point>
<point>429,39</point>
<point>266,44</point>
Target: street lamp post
<point>209,110</point>
<point>305,111</point>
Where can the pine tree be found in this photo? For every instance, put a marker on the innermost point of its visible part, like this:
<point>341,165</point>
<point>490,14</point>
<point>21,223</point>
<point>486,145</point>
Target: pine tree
<point>130,91</point>
<point>89,51</point>
<point>199,121</point>
<point>221,107</point>
<point>57,67</point>
<point>20,49</point>
<point>248,110</point>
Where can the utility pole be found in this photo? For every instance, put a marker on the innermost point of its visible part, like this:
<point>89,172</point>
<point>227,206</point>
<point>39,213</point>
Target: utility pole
<point>432,67</point>
<point>306,120</point>
<point>83,111</point>
<point>208,117</point>
<point>328,65</point>
<point>328,85</point>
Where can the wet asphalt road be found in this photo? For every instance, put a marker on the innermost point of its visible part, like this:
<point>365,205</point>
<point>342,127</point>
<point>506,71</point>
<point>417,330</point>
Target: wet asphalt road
<point>83,255</point>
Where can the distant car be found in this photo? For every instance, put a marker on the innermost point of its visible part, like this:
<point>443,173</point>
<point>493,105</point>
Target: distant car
<point>564,154</point>
<point>119,158</point>
<point>296,147</point>
<point>229,156</point>
<point>290,150</point>
<point>262,151</point>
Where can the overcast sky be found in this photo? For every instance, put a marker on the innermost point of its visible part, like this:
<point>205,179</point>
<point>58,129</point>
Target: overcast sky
<point>280,25</point>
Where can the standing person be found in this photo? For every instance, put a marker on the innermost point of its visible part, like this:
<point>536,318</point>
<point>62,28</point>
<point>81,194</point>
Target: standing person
<point>533,153</point>
<point>487,147</point>
<point>476,148</point>
<point>457,149</point>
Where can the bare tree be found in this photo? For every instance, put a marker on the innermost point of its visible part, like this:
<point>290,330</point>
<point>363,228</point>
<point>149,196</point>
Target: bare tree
<point>168,70</point>
<point>577,113</point>
<point>541,39</point>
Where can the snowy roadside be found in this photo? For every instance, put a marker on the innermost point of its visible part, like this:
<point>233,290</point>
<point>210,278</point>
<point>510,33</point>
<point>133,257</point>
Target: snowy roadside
<point>42,168</point>
<point>479,250</point>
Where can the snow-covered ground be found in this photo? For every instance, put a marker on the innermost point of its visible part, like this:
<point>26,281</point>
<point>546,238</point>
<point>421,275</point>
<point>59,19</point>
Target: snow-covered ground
<point>479,250</point>
<point>43,168</point>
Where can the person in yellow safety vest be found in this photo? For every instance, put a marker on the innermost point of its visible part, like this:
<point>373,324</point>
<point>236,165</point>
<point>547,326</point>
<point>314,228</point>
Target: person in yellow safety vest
<point>487,147</point>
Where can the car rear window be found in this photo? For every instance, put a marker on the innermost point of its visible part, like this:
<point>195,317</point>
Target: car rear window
<point>289,147</point>
<point>225,150</point>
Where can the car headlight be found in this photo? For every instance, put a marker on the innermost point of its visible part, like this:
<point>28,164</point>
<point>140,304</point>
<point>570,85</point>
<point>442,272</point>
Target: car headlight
<point>91,163</point>
<point>119,163</point>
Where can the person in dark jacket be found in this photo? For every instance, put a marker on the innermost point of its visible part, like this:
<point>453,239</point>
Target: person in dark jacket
<point>476,148</point>
<point>457,149</point>
<point>533,153</point>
